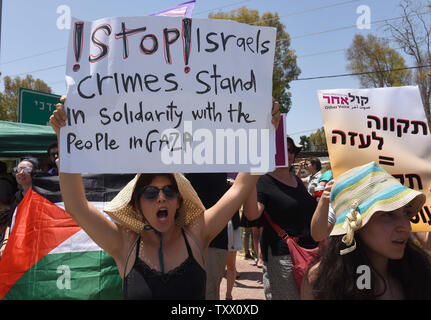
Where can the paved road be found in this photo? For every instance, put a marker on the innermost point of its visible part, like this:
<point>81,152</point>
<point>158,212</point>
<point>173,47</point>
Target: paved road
<point>249,284</point>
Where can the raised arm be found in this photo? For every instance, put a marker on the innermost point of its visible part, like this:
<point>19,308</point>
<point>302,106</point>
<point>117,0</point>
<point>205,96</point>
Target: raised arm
<point>301,165</point>
<point>425,239</point>
<point>320,226</point>
<point>103,231</point>
<point>252,208</point>
<point>217,217</point>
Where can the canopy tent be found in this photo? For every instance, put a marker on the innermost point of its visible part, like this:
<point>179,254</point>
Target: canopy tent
<point>22,139</point>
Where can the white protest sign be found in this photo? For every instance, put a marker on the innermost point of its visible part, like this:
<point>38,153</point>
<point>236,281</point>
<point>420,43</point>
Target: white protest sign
<point>161,94</point>
<point>385,125</point>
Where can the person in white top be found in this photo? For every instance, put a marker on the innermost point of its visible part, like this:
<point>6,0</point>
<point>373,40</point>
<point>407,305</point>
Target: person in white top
<point>313,166</point>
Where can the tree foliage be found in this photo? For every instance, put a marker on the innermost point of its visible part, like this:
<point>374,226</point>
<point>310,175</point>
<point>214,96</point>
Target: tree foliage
<point>285,67</point>
<point>9,97</point>
<point>374,57</point>
<point>318,140</point>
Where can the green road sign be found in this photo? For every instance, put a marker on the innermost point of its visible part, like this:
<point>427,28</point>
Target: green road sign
<point>36,107</point>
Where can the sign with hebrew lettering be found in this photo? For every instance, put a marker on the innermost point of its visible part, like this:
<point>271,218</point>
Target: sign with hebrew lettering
<point>385,125</point>
<point>163,94</point>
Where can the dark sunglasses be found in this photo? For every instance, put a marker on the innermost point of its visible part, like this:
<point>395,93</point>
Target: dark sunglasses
<point>151,193</point>
<point>19,170</point>
<point>52,154</point>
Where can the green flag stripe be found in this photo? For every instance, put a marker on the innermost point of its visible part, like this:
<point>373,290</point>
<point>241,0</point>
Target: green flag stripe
<point>73,275</point>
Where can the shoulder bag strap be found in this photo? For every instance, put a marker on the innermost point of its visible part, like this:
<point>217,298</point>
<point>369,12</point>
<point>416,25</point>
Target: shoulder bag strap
<point>281,233</point>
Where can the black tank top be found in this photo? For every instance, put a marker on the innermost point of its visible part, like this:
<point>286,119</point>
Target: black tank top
<point>185,282</point>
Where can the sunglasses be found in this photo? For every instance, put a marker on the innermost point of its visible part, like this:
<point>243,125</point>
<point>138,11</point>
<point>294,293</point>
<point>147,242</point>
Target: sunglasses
<point>52,154</point>
<point>19,170</point>
<point>151,193</point>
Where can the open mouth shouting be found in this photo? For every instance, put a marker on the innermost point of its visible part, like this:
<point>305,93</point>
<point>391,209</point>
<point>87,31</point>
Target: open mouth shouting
<point>162,215</point>
<point>400,242</point>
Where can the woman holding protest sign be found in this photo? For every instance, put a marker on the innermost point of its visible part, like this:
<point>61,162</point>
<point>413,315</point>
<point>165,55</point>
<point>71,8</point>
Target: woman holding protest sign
<point>370,254</point>
<point>163,230</point>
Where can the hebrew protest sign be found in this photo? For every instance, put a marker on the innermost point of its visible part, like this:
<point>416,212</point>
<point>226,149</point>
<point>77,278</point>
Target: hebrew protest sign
<point>163,94</point>
<point>385,125</point>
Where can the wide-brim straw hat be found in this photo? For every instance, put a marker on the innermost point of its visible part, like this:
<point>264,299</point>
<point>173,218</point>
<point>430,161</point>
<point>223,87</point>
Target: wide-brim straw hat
<point>124,213</point>
<point>364,190</point>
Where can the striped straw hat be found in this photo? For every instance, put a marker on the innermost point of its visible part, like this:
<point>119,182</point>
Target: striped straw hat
<point>123,212</point>
<point>360,192</point>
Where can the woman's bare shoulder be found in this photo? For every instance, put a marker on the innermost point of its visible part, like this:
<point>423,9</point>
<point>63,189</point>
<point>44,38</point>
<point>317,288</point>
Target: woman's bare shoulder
<point>128,237</point>
<point>308,282</point>
<point>196,227</point>
<point>312,273</point>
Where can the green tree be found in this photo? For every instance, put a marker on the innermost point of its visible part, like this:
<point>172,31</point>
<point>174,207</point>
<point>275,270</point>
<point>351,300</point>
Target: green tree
<point>9,98</point>
<point>285,67</point>
<point>375,56</point>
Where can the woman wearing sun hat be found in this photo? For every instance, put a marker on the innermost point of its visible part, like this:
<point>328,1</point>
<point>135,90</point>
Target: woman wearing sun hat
<point>163,229</point>
<point>372,229</point>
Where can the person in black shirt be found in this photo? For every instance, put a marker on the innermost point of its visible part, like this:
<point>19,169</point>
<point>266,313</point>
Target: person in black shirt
<point>210,187</point>
<point>52,156</point>
<point>284,197</point>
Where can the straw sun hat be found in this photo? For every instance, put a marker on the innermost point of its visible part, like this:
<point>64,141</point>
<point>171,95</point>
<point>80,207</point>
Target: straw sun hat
<point>362,191</point>
<point>123,212</point>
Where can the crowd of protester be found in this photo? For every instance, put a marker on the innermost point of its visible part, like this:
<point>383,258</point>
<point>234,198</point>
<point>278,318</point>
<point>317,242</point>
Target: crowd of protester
<point>342,217</point>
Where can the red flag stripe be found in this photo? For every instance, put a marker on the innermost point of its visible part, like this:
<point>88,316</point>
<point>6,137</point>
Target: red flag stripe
<point>40,226</point>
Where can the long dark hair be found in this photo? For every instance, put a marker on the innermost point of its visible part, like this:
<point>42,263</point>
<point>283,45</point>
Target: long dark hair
<point>337,275</point>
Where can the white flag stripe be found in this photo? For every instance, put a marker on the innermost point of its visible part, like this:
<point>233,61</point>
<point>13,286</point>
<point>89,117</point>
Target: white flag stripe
<point>80,241</point>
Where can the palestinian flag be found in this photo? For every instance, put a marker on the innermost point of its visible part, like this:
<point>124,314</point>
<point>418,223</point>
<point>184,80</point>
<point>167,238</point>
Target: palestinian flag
<point>48,256</point>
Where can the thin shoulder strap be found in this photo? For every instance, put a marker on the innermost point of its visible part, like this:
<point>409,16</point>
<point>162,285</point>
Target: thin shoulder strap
<point>189,250</point>
<point>130,251</point>
<point>197,243</point>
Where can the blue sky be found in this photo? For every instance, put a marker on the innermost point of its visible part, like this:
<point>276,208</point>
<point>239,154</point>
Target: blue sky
<point>321,30</point>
